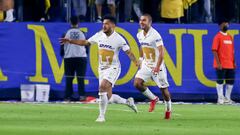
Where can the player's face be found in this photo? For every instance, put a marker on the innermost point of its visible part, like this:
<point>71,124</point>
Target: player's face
<point>144,22</point>
<point>108,26</point>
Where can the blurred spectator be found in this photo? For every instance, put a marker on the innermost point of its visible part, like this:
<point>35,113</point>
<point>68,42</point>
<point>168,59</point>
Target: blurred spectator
<point>2,13</point>
<point>196,12</point>
<point>80,8</point>
<point>18,10</point>
<point>57,11</point>
<point>6,10</point>
<point>171,10</point>
<point>35,10</point>
<point>201,12</point>
<point>207,11</point>
<point>225,9</point>
<point>152,7</point>
<point>128,5</point>
<point>111,5</point>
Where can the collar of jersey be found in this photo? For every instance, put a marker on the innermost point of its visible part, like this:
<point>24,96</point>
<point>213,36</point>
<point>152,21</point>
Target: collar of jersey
<point>110,35</point>
<point>225,34</point>
<point>149,32</point>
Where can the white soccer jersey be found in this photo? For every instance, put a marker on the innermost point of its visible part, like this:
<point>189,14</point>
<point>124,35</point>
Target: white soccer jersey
<point>108,48</point>
<point>149,44</point>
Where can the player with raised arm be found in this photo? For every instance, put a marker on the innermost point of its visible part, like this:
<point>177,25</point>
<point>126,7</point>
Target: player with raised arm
<point>109,44</point>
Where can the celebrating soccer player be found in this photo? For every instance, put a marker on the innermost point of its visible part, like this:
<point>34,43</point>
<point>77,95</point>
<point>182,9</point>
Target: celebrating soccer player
<point>109,44</point>
<point>152,52</point>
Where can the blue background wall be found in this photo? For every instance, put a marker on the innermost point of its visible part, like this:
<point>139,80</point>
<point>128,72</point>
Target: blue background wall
<point>32,49</point>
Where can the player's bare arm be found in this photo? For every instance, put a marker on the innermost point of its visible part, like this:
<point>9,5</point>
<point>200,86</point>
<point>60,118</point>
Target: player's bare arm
<point>235,64</point>
<point>76,42</point>
<point>141,52</point>
<point>217,59</point>
<point>160,59</point>
<point>141,57</point>
<point>132,57</point>
<point>234,61</point>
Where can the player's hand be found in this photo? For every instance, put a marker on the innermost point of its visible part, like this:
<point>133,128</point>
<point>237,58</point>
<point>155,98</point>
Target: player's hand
<point>64,41</point>
<point>235,65</point>
<point>140,60</point>
<point>155,70</point>
<point>139,63</point>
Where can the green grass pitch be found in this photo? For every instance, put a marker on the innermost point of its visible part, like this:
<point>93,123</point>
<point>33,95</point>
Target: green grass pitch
<point>79,119</point>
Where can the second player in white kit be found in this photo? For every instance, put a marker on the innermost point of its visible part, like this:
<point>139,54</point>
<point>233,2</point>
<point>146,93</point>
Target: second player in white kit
<point>152,52</point>
<point>149,45</point>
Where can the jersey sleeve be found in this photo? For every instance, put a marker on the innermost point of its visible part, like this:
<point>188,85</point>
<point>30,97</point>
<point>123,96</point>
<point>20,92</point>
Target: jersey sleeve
<point>158,40</point>
<point>67,35</point>
<point>81,36</point>
<point>124,45</point>
<point>94,38</point>
<point>215,44</point>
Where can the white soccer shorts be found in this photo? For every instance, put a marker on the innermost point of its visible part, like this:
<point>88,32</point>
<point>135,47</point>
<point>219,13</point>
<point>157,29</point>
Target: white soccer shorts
<point>145,73</point>
<point>111,74</point>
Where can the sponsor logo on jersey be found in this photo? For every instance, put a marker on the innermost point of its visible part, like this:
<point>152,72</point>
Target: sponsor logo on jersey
<point>227,42</point>
<point>106,46</point>
<point>74,35</point>
<point>144,44</point>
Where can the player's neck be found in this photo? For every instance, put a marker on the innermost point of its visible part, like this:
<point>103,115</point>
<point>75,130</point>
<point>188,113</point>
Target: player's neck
<point>109,33</point>
<point>74,26</point>
<point>146,30</point>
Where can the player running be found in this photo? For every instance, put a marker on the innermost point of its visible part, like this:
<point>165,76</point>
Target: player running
<point>109,44</point>
<point>152,52</point>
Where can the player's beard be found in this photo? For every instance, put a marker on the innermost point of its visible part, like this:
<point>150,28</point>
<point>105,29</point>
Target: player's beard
<point>146,28</point>
<point>108,32</point>
<point>142,27</point>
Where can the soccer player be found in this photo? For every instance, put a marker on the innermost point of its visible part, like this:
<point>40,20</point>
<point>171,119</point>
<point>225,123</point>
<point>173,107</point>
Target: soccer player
<point>224,62</point>
<point>152,52</point>
<point>109,44</point>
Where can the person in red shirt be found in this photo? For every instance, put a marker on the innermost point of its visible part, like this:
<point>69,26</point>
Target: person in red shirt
<point>224,62</point>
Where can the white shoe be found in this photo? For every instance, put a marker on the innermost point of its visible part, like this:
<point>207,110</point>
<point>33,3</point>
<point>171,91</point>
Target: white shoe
<point>130,104</point>
<point>100,119</point>
<point>228,101</point>
<point>220,100</point>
